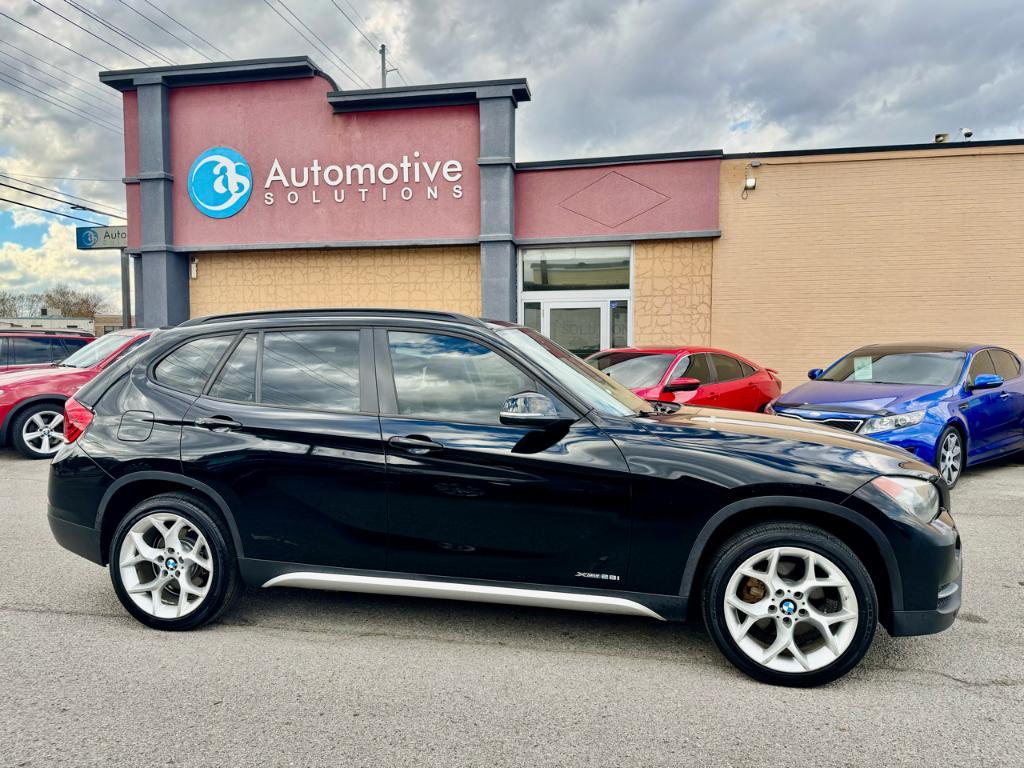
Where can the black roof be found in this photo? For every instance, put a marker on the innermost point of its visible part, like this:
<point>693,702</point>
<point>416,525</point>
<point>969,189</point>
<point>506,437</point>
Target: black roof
<point>336,312</point>
<point>925,346</point>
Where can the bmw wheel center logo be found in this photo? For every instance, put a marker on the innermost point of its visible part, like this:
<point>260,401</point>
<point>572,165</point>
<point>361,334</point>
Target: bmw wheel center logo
<point>788,607</point>
<point>219,182</point>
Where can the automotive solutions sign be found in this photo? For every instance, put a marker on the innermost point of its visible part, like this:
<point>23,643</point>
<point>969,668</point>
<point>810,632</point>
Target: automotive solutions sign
<point>220,181</point>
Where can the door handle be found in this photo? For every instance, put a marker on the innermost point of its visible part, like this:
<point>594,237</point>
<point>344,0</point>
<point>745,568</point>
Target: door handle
<point>1004,395</point>
<point>415,444</point>
<point>217,423</point>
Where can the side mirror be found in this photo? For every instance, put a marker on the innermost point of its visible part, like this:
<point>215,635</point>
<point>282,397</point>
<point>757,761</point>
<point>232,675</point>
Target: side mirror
<point>529,409</point>
<point>815,373</point>
<point>682,384</point>
<point>986,381</point>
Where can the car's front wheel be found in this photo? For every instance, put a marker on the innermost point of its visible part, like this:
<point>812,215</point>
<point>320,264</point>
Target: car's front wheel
<point>790,604</point>
<point>172,563</point>
<point>949,456</point>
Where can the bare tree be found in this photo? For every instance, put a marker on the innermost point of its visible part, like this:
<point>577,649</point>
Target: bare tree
<point>20,304</point>
<point>64,300</point>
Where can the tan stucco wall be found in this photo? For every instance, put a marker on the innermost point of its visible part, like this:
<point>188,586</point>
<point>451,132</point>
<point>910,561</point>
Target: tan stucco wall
<point>672,292</point>
<point>831,252</point>
<point>446,278</point>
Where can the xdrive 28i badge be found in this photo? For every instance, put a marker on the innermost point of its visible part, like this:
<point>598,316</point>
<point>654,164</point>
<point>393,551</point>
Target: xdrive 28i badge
<point>219,182</point>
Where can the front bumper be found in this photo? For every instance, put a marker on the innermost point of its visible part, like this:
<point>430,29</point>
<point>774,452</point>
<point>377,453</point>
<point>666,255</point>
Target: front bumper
<point>80,539</point>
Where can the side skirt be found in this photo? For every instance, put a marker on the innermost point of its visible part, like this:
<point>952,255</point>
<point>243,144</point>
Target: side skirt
<point>268,573</point>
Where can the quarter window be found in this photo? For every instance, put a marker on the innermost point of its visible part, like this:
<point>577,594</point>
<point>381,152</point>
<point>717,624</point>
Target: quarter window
<point>314,370</point>
<point>189,366</point>
<point>727,368</point>
<point>237,379</point>
<point>447,378</point>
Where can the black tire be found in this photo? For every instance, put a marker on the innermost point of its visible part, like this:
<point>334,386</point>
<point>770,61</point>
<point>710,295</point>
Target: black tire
<point>749,543</point>
<point>963,455</point>
<point>225,584</point>
<point>18,428</point>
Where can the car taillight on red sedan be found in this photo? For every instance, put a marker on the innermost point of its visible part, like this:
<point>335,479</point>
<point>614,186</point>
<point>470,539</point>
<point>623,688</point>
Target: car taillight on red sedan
<point>76,419</point>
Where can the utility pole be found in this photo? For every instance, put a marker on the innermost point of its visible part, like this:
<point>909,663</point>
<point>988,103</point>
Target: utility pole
<point>383,66</point>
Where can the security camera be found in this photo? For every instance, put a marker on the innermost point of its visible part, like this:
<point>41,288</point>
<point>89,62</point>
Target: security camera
<point>941,138</point>
<point>967,133</point>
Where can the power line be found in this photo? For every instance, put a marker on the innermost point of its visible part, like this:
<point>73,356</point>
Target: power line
<point>373,45</point>
<point>60,86</point>
<point>118,31</point>
<point>98,89</point>
<point>194,34</point>
<point>349,18</point>
<point>65,194</point>
<point>163,28</point>
<point>90,32</point>
<point>52,213</point>
<point>56,42</point>
<point>63,202</point>
<point>330,50</point>
<point>65,106</point>
<point>303,36</point>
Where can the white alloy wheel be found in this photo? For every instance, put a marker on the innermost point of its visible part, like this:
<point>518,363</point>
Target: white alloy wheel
<point>951,457</point>
<point>166,565</point>
<point>791,610</point>
<point>43,432</point>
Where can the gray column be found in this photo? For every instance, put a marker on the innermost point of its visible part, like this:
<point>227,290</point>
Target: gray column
<point>163,292</point>
<point>137,274</point>
<point>497,208</point>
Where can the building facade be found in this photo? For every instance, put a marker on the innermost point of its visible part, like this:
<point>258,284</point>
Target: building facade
<point>260,185</point>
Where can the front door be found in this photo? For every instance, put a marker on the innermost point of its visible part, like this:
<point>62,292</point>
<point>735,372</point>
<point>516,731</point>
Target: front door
<point>469,497</point>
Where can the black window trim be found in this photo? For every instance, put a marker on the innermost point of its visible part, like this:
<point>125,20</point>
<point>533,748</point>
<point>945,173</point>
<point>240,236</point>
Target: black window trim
<point>388,394</point>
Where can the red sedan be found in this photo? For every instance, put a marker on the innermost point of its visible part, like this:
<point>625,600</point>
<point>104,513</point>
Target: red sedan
<point>692,375</point>
<point>32,399</point>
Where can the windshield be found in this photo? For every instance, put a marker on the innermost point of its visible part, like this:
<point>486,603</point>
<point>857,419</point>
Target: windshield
<point>636,370</point>
<point>938,369</point>
<point>95,352</point>
<point>601,392</point>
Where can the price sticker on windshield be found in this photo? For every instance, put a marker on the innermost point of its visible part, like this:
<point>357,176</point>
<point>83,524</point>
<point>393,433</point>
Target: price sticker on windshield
<point>862,369</point>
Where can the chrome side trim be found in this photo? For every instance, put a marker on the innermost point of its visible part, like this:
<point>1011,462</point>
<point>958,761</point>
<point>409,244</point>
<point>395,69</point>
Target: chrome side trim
<point>448,590</point>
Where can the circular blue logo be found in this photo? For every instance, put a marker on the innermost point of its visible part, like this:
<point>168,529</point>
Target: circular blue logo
<point>219,182</point>
<point>172,563</point>
<point>89,238</point>
<point>788,607</point>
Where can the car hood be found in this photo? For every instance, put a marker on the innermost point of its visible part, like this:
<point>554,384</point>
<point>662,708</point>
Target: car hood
<point>856,396</point>
<point>738,448</point>
<point>29,376</point>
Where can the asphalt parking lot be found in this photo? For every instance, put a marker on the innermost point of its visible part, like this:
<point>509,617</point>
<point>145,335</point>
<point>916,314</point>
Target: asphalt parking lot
<point>307,678</point>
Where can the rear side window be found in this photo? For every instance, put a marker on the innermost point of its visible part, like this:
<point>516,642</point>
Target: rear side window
<point>728,368</point>
<point>1007,364</point>
<point>32,351</point>
<point>189,366</point>
<point>451,379</point>
<point>694,366</point>
<point>237,379</point>
<point>315,370</point>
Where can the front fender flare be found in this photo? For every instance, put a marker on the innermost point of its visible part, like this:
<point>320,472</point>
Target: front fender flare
<point>776,503</point>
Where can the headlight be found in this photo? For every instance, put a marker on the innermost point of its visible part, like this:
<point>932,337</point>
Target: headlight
<point>898,421</point>
<point>918,497</point>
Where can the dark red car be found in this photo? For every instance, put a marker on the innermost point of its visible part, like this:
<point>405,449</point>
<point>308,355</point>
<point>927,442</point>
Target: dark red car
<point>691,375</point>
<point>32,399</point>
<point>38,348</point>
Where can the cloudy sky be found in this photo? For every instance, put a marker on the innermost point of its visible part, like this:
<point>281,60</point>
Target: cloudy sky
<point>608,77</point>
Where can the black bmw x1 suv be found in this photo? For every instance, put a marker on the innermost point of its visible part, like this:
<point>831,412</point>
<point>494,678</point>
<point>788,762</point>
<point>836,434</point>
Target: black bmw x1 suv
<point>438,455</point>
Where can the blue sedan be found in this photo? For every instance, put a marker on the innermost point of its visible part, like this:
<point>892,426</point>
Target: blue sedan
<point>952,405</point>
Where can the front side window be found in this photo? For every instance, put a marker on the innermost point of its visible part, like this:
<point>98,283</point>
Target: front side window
<point>314,370</point>
<point>1007,364</point>
<point>446,378</point>
<point>693,366</point>
<point>189,366</point>
<point>73,345</point>
<point>30,351</point>
<point>727,368</point>
<point>635,370</point>
<point>981,364</point>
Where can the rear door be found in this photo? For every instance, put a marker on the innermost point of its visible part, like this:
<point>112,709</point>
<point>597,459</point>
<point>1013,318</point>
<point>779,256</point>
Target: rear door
<point>733,383</point>
<point>1011,394</point>
<point>287,432</point>
<point>988,412</point>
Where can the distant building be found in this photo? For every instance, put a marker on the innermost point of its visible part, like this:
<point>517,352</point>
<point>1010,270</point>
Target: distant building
<point>108,323</point>
<point>50,323</point>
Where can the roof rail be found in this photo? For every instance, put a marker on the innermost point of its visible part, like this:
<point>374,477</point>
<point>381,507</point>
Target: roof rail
<point>45,331</point>
<point>425,314</point>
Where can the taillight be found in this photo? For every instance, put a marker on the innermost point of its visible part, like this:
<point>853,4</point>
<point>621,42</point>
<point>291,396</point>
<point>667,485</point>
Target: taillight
<point>76,419</point>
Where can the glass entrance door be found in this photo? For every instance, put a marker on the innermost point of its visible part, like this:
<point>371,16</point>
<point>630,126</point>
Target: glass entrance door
<point>579,326</point>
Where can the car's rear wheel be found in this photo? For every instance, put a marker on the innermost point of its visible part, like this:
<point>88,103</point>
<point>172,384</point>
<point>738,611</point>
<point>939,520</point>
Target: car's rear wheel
<point>790,604</point>
<point>172,563</point>
<point>949,455</point>
<point>38,431</point>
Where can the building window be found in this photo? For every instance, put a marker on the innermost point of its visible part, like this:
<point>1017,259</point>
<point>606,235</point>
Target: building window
<point>579,296</point>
